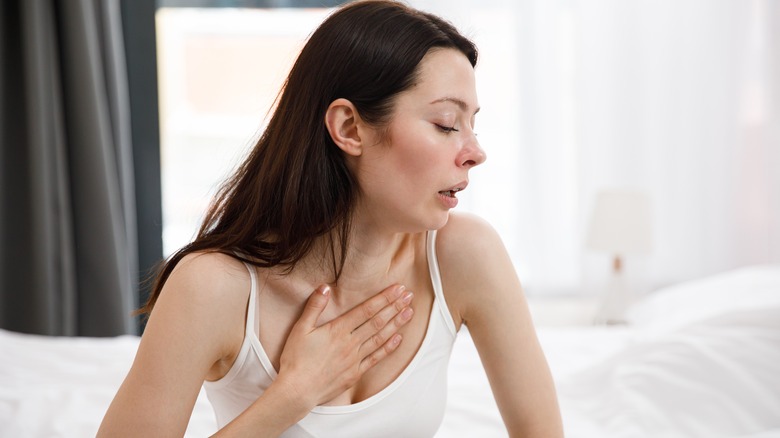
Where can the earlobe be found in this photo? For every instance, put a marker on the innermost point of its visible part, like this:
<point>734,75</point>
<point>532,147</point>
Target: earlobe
<point>342,121</point>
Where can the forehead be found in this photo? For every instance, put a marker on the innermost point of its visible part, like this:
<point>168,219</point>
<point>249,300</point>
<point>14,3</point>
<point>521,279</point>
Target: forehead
<point>445,77</point>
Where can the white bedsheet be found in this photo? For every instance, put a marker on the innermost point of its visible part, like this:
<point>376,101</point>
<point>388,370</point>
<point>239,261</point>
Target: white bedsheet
<point>713,375</point>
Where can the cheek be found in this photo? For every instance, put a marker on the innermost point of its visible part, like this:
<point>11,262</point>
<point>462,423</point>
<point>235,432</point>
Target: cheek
<point>425,169</point>
<point>407,163</point>
<point>416,154</point>
<point>413,173</point>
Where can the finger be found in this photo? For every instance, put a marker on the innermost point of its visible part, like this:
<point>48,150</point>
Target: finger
<point>367,309</point>
<point>374,358</point>
<point>380,320</point>
<point>378,339</point>
<point>316,303</point>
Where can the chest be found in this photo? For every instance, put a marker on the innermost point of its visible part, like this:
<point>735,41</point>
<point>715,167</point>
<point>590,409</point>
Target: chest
<point>276,315</point>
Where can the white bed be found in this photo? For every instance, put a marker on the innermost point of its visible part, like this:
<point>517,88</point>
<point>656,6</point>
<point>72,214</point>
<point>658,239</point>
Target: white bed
<point>700,359</point>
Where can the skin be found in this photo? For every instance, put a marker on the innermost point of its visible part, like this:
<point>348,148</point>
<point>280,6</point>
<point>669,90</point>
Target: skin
<point>197,327</point>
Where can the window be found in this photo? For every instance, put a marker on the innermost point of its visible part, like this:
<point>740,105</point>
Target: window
<point>221,67</point>
<point>220,70</point>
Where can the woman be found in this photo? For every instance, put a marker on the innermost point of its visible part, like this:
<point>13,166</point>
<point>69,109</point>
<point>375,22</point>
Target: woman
<point>348,192</point>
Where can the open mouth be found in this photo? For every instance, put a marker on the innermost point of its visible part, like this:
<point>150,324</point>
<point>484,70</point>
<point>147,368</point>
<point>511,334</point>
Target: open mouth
<point>450,193</point>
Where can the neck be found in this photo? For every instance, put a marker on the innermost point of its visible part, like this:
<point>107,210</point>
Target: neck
<point>370,258</point>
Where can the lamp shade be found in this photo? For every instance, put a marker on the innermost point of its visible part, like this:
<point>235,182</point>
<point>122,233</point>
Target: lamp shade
<point>621,223</point>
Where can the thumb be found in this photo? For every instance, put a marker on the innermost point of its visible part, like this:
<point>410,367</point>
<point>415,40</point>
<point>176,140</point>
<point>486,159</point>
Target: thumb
<point>316,303</point>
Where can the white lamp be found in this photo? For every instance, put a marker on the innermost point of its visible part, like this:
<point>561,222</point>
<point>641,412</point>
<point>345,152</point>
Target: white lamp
<point>621,224</point>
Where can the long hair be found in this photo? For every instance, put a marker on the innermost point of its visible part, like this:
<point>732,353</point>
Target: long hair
<point>295,186</point>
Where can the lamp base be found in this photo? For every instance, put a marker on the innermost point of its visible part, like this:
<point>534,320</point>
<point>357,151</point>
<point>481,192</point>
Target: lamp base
<point>615,300</point>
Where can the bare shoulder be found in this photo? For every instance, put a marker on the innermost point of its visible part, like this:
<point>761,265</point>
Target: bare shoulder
<point>211,278</point>
<point>469,245</point>
<point>207,294</point>
<point>475,266</point>
<point>213,272</point>
<point>464,235</point>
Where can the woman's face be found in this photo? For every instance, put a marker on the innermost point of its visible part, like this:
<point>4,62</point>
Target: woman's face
<point>409,178</point>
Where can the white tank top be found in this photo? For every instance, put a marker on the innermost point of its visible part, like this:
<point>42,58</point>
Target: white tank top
<point>411,406</point>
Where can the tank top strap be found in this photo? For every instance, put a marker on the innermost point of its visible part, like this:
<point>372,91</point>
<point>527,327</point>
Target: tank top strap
<point>433,268</point>
<point>251,308</point>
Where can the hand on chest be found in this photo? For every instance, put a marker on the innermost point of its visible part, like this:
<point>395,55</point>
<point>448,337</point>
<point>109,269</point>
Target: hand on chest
<point>277,314</point>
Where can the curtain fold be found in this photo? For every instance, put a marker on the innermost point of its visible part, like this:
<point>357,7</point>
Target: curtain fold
<point>68,261</point>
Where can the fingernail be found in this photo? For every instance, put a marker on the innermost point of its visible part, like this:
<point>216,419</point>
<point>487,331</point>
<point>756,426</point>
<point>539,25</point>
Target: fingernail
<point>325,290</point>
<point>396,339</point>
<point>408,297</point>
<point>407,313</point>
<point>399,290</point>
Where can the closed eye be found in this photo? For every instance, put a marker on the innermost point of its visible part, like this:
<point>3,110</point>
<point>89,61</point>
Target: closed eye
<point>446,129</point>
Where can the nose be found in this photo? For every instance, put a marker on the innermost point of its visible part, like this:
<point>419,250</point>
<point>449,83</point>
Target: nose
<point>472,154</point>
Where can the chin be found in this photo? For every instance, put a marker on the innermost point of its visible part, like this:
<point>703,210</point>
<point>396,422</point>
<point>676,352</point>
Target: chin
<point>423,222</point>
<point>440,222</point>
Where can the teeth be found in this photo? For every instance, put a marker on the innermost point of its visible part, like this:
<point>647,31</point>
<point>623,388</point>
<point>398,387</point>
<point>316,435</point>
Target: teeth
<point>450,193</point>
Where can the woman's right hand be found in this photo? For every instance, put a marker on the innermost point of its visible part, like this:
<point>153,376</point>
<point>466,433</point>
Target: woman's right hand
<point>320,362</point>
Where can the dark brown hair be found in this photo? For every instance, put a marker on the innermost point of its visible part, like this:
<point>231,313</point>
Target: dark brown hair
<point>295,185</point>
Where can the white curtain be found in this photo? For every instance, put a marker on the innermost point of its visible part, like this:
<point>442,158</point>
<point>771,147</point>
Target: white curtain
<point>677,99</point>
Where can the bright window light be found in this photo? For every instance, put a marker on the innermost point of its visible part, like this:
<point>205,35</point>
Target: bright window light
<point>219,73</point>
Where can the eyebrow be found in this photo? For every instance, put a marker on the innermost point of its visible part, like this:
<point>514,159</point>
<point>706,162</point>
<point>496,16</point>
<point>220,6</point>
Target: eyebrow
<point>463,105</point>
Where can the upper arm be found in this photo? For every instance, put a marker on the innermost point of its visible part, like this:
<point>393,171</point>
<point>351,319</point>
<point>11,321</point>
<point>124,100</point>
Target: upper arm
<point>483,289</point>
<point>195,323</point>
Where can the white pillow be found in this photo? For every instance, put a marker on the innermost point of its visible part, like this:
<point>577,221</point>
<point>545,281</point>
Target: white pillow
<point>741,289</point>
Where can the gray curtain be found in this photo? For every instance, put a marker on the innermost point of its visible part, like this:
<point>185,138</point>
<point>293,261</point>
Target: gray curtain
<point>68,256</point>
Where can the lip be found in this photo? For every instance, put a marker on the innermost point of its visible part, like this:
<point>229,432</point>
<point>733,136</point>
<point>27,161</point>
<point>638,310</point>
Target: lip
<point>451,201</point>
<point>459,187</point>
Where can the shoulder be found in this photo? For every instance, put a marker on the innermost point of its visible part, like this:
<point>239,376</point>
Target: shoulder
<point>209,282</point>
<point>475,267</point>
<point>464,235</point>
<point>206,293</point>
<point>470,245</point>
<point>209,274</point>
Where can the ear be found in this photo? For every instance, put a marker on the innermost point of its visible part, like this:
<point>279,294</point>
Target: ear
<point>344,126</point>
